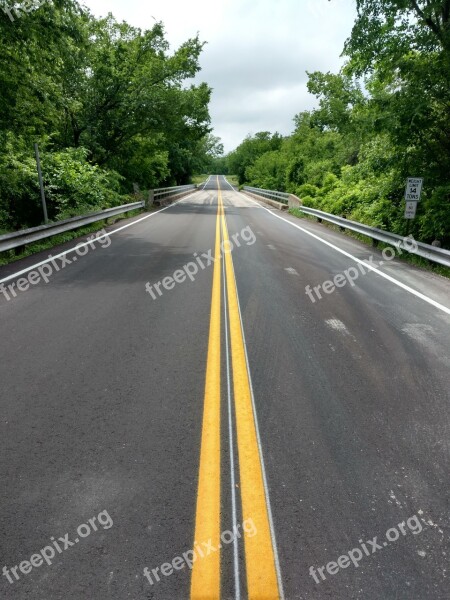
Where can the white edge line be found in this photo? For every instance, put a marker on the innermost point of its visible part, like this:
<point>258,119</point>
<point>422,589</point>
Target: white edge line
<point>226,181</point>
<point>362,262</point>
<point>81,245</point>
<point>206,183</point>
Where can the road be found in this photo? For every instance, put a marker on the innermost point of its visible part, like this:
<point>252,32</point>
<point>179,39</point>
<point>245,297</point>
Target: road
<point>176,393</point>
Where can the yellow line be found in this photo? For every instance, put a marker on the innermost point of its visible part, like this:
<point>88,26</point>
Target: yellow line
<point>205,581</point>
<point>262,582</point>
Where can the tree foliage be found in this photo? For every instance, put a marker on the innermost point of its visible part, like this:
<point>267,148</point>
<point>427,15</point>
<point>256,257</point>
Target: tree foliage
<point>103,99</point>
<point>384,117</point>
<point>250,150</point>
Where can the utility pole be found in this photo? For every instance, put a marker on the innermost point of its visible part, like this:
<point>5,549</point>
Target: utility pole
<point>41,183</point>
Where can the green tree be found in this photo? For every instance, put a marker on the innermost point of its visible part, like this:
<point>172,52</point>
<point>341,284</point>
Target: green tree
<point>250,150</point>
<point>113,93</point>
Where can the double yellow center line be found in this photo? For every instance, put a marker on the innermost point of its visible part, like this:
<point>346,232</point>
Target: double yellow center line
<point>205,582</point>
<point>260,557</point>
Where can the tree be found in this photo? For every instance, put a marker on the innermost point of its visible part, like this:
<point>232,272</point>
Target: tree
<point>250,150</point>
<point>352,154</point>
<point>339,96</point>
<point>113,93</point>
<point>268,171</point>
<point>387,30</point>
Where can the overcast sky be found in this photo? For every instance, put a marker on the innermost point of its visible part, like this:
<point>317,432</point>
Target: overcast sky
<point>256,55</point>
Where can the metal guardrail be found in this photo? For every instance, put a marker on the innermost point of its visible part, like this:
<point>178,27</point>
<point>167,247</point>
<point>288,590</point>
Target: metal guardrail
<point>271,195</point>
<point>432,253</point>
<point>27,236</point>
<point>9,241</point>
<point>164,193</point>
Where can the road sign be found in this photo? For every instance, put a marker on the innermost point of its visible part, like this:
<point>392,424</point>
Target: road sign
<point>413,189</point>
<point>410,211</point>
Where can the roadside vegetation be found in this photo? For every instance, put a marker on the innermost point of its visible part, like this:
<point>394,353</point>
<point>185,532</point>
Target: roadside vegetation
<point>233,179</point>
<point>110,106</point>
<point>383,118</point>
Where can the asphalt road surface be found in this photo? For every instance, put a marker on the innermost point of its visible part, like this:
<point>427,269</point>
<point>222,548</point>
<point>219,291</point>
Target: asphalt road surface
<point>183,417</point>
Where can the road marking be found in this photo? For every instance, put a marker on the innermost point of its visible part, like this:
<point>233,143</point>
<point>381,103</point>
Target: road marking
<point>237,585</point>
<point>100,237</point>
<point>206,183</point>
<point>271,247</point>
<point>359,261</point>
<point>291,270</point>
<point>228,183</point>
<point>263,581</point>
<point>205,580</point>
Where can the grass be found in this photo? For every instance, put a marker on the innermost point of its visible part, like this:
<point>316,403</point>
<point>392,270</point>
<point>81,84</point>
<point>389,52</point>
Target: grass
<point>199,179</point>
<point>233,180</point>
<point>296,212</point>
<point>413,259</point>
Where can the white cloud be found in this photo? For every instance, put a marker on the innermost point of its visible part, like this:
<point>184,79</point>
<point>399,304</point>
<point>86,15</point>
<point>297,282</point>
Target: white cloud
<point>257,52</point>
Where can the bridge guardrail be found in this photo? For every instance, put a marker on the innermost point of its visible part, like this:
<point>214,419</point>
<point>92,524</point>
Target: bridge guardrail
<point>282,197</point>
<point>162,194</point>
<point>9,241</point>
<point>432,253</point>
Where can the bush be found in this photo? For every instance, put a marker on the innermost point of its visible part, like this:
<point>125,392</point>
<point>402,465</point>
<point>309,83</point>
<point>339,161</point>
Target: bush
<point>307,189</point>
<point>434,216</point>
<point>72,185</point>
<point>311,202</point>
<point>20,204</point>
